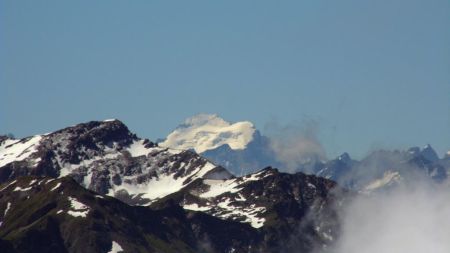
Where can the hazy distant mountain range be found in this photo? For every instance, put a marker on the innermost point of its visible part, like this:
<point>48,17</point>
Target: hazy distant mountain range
<point>97,187</point>
<point>242,149</point>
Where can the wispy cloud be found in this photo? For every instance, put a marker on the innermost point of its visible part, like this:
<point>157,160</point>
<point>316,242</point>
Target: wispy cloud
<point>295,144</point>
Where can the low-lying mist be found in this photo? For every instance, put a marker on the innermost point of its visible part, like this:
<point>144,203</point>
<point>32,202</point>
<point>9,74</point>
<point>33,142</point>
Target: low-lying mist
<point>407,219</point>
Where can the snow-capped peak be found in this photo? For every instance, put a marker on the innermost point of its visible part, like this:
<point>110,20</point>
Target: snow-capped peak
<point>204,132</point>
<point>429,153</point>
<point>345,157</point>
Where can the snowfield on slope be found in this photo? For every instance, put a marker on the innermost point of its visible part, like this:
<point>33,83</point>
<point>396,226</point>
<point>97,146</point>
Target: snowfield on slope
<point>18,150</point>
<point>160,186</point>
<point>224,200</point>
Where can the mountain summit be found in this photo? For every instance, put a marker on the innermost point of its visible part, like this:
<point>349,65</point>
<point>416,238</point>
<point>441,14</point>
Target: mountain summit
<point>239,147</point>
<point>204,132</point>
<point>104,156</point>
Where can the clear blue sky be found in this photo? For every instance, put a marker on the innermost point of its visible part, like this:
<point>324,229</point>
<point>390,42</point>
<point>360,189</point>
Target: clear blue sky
<point>373,74</point>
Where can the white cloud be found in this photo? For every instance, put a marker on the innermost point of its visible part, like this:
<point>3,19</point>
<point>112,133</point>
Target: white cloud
<point>413,219</point>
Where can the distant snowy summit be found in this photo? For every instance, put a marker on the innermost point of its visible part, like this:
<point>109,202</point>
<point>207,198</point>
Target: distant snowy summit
<point>204,132</point>
<point>237,146</point>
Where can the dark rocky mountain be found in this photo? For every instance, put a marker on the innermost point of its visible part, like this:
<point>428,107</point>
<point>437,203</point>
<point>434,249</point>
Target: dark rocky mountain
<point>40,214</point>
<point>195,204</point>
<point>295,209</point>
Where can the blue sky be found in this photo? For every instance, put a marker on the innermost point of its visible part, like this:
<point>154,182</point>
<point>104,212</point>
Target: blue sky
<point>372,74</point>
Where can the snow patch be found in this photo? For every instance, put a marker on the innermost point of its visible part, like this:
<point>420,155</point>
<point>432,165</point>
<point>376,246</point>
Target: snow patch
<point>218,187</point>
<point>162,185</point>
<point>18,188</point>
<point>56,186</point>
<point>227,208</point>
<point>82,214</point>
<point>389,177</point>
<point>79,209</point>
<point>195,207</point>
<point>50,180</point>
<point>13,182</point>
<point>310,185</point>
<point>7,209</point>
<point>137,148</point>
<point>256,176</point>
<point>250,213</point>
<point>115,248</point>
<point>18,150</point>
<point>154,189</point>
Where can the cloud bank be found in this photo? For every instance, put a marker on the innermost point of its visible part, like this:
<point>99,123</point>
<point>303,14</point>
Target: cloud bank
<point>407,219</point>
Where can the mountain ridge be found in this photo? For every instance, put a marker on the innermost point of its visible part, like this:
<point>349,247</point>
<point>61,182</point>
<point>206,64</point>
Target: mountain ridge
<point>271,210</point>
<point>107,159</point>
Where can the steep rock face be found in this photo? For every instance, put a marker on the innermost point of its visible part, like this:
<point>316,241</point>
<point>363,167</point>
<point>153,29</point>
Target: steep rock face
<point>107,158</point>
